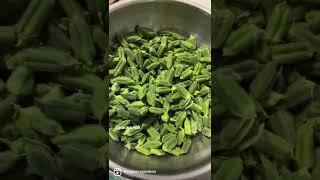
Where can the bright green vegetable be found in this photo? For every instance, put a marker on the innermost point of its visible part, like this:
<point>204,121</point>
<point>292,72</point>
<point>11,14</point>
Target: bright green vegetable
<point>155,80</point>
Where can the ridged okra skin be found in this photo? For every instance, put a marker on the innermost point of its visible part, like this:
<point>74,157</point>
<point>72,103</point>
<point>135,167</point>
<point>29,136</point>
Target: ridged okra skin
<point>160,75</point>
<point>45,59</point>
<point>33,20</point>
<point>81,40</point>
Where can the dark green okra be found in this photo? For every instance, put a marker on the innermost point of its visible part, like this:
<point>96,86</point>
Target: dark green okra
<point>264,80</point>
<point>229,169</point>
<point>65,109</point>
<point>71,8</point>
<point>21,81</point>
<point>222,23</point>
<point>45,59</point>
<point>97,9</point>
<point>282,122</point>
<point>279,22</point>
<point>100,38</point>
<point>33,20</point>
<point>274,146</point>
<point>235,98</point>
<point>301,32</point>
<point>58,38</point>
<point>298,93</point>
<point>290,53</point>
<point>245,37</point>
<point>304,152</point>
<point>81,40</point>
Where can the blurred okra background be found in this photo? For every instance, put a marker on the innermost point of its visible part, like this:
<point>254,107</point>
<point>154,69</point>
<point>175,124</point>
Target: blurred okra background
<point>266,121</point>
<point>53,89</point>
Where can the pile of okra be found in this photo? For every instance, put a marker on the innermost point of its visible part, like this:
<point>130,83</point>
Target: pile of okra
<point>266,90</point>
<point>53,92</point>
<point>160,83</point>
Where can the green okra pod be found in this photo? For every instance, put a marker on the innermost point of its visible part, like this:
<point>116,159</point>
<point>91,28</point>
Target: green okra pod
<point>123,80</point>
<point>243,38</point>
<point>81,40</point>
<point>169,144</point>
<point>156,110</point>
<point>58,38</point>
<point>270,170</point>
<point>252,137</point>
<point>242,133</point>
<point>300,31</point>
<point>183,92</point>
<point>180,137</point>
<point>152,144</point>
<point>264,80</point>
<point>45,59</point>
<point>181,116</point>
<point>21,81</point>
<point>33,20</point>
<point>169,61</point>
<point>282,123</point>
<point>186,145</point>
<point>304,152</point>
<point>222,23</point>
<point>163,46</point>
<point>97,9</point>
<point>71,8</point>
<point>153,133</point>
<point>143,150</point>
<point>163,90</point>
<point>100,38</point>
<point>186,74</point>
<point>151,97</point>
<point>65,110</point>
<point>178,70</point>
<point>157,152</point>
<point>167,136</point>
<point>279,22</point>
<point>187,126</point>
<point>298,93</point>
<point>235,98</point>
<point>291,53</point>
<point>230,169</point>
<point>274,145</point>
